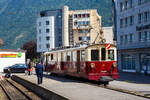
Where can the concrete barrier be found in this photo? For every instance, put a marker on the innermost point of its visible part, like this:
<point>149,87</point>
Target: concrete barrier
<point>40,91</point>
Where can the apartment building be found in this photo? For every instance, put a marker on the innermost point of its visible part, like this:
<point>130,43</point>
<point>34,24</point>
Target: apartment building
<point>133,34</point>
<point>84,27</point>
<point>62,27</point>
<point>49,30</point>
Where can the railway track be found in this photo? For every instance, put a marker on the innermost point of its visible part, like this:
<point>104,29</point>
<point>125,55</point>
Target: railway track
<point>15,91</point>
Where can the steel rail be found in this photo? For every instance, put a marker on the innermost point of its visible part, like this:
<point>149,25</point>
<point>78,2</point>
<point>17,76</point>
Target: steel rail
<point>12,92</point>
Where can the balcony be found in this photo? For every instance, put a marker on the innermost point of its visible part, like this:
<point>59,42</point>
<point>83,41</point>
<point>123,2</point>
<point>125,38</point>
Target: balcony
<point>134,45</point>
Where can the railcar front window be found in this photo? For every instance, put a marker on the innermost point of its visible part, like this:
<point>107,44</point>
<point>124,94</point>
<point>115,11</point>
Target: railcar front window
<point>94,55</point>
<point>111,54</point>
<point>103,53</point>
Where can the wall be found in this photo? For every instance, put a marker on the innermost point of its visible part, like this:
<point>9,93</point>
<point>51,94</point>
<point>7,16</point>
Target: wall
<point>5,62</point>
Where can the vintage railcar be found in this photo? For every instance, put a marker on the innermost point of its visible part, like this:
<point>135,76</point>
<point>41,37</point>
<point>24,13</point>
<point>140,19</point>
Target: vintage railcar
<point>93,62</point>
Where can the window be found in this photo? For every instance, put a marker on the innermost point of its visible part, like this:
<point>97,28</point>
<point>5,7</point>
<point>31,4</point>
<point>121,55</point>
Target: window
<point>126,5</point>
<point>52,57</point>
<point>131,20</point>
<point>126,21</point>
<point>140,36</point>
<point>111,54</point>
<point>68,56</point>
<point>79,15</point>
<point>47,38</point>
<point>149,35</point>
<point>47,22</point>
<point>103,53</point>
<point>131,3</point>
<point>145,16</point>
<point>126,38</point>
<point>82,55</point>
<point>40,39</point>
<point>139,2</point>
<point>145,36</point>
<point>87,15</point>
<point>40,31</point>
<point>40,46</point>
<point>121,39</point>
<point>139,18</point>
<point>88,38</point>
<point>75,16</point>
<point>128,62</point>
<point>131,37</point>
<point>148,16</point>
<point>94,55</point>
<point>47,30</point>
<point>48,45</point>
<point>80,38</point>
<point>39,23</point>
<point>121,7</point>
<point>75,23</point>
<point>121,23</point>
<point>83,15</point>
<point>74,56</point>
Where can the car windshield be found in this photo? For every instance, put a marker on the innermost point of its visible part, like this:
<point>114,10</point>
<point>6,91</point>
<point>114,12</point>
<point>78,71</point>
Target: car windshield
<point>19,66</point>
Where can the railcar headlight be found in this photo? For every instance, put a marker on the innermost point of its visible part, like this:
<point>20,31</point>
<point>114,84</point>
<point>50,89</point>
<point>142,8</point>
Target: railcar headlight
<point>92,65</point>
<point>114,64</point>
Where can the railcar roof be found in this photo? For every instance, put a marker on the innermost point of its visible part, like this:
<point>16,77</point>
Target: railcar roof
<point>76,47</point>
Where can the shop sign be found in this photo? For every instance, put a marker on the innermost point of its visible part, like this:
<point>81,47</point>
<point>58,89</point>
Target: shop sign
<point>10,55</point>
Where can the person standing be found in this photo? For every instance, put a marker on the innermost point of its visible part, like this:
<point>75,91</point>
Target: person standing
<point>39,72</point>
<point>29,68</point>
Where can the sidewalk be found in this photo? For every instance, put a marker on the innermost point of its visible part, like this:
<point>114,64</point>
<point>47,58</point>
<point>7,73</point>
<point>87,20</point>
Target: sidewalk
<point>75,90</point>
<point>134,78</point>
<point>133,82</point>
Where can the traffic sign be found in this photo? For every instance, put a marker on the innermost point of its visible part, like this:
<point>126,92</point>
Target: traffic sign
<point>107,46</point>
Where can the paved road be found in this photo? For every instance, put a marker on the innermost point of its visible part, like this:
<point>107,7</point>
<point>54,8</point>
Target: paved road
<point>80,91</point>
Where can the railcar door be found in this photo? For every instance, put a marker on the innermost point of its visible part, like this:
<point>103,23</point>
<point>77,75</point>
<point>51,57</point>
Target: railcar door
<point>78,61</point>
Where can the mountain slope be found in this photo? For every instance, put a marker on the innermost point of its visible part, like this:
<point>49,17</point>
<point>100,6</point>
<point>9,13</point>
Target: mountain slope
<point>18,17</point>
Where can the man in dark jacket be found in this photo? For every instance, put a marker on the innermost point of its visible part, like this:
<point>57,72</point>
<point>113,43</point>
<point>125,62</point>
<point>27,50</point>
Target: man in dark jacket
<point>39,72</point>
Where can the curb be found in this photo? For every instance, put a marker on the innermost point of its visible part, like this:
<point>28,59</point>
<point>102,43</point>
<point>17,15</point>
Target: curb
<point>45,94</point>
<point>129,92</point>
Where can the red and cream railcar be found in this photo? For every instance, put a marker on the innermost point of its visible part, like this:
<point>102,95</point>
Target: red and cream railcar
<point>93,62</point>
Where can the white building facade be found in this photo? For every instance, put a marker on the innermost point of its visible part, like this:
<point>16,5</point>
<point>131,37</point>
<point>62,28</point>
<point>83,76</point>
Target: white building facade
<point>45,33</point>
<point>133,34</point>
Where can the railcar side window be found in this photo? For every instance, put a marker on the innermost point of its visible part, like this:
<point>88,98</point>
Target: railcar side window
<point>68,56</point>
<point>103,53</point>
<point>111,54</point>
<point>94,55</point>
<point>82,55</point>
<point>74,56</point>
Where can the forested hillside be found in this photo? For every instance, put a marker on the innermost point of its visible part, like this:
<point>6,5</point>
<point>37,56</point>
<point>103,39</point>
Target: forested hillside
<point>18,17</point>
